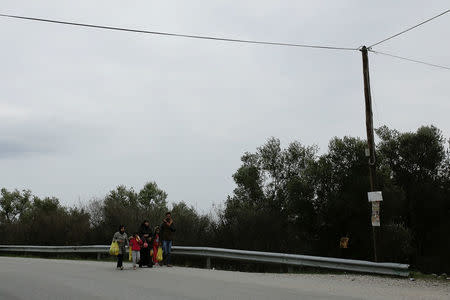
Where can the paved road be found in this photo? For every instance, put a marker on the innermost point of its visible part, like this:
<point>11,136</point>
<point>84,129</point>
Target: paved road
<point>25,278</point>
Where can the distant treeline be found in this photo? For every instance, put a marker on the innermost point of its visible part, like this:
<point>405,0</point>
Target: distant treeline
<point>289,200</point>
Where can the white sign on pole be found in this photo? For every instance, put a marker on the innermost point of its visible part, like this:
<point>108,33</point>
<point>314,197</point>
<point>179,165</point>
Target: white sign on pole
<point>376,213</point>
<point>375,196</point>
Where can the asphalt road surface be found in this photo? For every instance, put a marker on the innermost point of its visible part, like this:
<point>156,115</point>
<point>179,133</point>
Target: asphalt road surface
<point>31,278</point>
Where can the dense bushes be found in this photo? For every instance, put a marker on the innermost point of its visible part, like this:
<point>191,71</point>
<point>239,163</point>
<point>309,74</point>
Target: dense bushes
<point>286,200</point>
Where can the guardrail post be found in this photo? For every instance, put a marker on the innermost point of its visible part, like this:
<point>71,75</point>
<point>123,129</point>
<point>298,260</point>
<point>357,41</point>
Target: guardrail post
<point>290,269</point>
<point>208,262</point>
<point>99,255</point>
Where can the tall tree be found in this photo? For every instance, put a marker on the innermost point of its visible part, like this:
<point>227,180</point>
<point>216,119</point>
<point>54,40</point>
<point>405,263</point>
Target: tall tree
<point>152,197</point>
<point>419,164</point>
<point>13,204</point>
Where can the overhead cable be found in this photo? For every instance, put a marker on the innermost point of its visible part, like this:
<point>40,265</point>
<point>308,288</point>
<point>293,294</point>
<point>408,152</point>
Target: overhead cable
<point>204,37</point>
<point>410,28</point>
<point>410,59</point>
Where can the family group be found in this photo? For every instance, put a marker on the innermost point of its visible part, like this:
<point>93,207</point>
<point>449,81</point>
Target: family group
<point>145,243</point>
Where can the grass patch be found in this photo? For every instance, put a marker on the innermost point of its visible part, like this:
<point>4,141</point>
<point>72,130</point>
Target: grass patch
<point>420,275</point>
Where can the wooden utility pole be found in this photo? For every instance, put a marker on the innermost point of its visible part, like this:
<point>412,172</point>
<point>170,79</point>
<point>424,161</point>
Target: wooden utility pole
<point>370,136</point>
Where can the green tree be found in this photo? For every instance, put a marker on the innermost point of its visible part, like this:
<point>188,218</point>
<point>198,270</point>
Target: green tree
<point>45,223</point>
<point>419,164</point>
<point>153,199</point>
<point>192,228</point>
<point>272,205</point>
<point>341,177</point>
<point>13,204</point>
<point>121,206</point>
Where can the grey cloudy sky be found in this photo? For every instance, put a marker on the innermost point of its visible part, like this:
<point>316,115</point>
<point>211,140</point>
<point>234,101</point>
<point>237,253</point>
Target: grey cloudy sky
<point>84,110</point>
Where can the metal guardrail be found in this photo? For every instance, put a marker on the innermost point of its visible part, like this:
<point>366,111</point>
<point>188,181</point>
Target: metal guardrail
<point>254,256</point>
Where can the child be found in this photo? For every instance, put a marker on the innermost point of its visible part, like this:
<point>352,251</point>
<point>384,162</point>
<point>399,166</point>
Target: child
<point>156,244</point>
<point>135,247</point>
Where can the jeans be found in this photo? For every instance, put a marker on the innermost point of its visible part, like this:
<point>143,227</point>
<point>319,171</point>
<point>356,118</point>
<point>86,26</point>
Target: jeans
<point>119,260</point>
<point>167,249</point>
<point>136,257</point>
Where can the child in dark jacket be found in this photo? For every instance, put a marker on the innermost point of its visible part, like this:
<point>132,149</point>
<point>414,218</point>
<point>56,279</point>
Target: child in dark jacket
<point>156,245</point>
<point>135,248</point>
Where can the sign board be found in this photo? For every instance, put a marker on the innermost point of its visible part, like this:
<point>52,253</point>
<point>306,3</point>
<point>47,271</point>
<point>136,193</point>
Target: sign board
<point>344,242</point>
<point>376,213</point>
<point>375,196</point>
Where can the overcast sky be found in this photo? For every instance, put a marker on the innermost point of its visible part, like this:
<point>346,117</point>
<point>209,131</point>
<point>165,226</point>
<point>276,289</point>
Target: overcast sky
<point>84,110</point>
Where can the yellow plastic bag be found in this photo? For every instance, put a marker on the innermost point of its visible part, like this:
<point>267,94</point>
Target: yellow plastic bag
<point>159,255</point>
<point>130,256</point>
<point>114,249</point>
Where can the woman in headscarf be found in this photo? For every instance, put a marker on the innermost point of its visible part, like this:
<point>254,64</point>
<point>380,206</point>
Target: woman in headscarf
<point>145,233</point>
<point>122,239</point>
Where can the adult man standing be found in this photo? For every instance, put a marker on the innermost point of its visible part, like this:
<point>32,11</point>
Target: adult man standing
<point>167,229</point>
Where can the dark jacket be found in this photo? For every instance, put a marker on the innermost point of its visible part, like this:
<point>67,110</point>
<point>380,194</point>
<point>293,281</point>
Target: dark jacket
<point>166,231</point>
<point>145,230</point>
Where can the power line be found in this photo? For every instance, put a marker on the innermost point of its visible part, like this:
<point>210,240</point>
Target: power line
<point>409,59</point>
<point>203,37</point>
<point>235,40</point>
<point>410,28</point>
